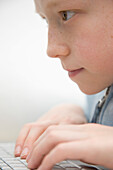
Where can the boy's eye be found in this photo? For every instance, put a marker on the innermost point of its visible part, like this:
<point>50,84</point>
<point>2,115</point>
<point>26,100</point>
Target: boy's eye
<point>66,15</point>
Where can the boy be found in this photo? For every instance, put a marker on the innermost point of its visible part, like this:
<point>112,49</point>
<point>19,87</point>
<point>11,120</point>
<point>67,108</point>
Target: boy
<point>80,34</point>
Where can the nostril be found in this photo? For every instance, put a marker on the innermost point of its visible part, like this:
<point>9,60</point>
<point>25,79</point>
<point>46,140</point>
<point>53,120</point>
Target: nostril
<point>50,54</point>
<point>56,51</point>
<point>53,52</point>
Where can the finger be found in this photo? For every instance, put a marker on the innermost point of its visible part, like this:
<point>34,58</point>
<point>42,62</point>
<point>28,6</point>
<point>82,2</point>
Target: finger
<point>33,135</point>
<point>35,132</point>
<point>68,150</point>
<point>85,150</point>
<point>52,136</point>
<point>21,139</point>
<point>54,128</point>
<point>51,141</point>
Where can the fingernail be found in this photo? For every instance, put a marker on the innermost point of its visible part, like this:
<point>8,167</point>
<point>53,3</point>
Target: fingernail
<point>24,152</point>
<point>40,168</point>
<point>17,150</point>
<point>28,158</point>
<point>30,164</point>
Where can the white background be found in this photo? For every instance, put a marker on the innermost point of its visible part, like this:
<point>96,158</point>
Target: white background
<point>30,81</point>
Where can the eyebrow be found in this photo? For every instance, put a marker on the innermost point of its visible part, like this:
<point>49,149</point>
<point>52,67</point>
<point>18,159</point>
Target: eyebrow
<point>53,3</point>
<point>50,4</point>
<point>56,2</point>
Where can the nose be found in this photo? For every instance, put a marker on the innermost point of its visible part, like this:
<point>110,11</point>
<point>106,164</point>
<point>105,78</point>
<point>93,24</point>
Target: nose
<point>57,46</point>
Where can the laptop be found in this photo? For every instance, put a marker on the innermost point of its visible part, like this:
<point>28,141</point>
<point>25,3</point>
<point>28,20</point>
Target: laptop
<point>8,161</point>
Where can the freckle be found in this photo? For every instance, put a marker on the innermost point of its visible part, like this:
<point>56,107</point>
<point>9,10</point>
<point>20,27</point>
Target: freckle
<point>112,36</point>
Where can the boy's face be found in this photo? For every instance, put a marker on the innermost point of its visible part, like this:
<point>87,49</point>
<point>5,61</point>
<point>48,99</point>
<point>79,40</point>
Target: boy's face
<point>80,33</point>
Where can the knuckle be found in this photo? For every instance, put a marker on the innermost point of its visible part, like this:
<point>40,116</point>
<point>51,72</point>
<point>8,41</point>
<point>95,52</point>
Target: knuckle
<point>34,144</point>
<point>59,148</point>
<point>28,142</point>
<point>51,128</point>
<point>39,125</point>
<point>27,125</point>
<point>51,133</point>
<point>30,125</point>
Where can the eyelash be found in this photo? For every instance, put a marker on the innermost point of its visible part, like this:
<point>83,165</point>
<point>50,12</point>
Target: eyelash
<point>64,15</point>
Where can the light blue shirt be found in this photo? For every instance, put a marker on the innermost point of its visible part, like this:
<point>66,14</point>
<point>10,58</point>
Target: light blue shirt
<point>104,114</point>
<point>91,104</point>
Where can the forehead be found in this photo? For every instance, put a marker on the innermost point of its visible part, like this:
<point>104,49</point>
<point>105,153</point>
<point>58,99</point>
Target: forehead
<point>62,3</point>
<point>47,2</point>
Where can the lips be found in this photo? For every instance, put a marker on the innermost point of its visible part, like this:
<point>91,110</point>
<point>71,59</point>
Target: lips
<point>74,72</point>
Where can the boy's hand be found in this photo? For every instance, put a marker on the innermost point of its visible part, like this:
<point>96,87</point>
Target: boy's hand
<point>90,143</point>
<point>62,114</point>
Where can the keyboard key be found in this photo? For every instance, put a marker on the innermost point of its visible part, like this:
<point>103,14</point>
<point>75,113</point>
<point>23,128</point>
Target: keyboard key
<point>57,167</point>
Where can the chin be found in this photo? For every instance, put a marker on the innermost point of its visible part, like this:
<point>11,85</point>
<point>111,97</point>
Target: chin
<point>90,88</point>
<point>90,91</point>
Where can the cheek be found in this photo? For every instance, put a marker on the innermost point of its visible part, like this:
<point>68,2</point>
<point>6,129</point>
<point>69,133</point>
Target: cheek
<point>93,50</point>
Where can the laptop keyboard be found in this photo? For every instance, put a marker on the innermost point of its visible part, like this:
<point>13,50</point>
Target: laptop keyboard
<point>8,161</point>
